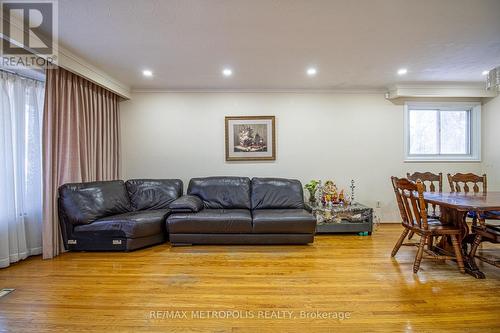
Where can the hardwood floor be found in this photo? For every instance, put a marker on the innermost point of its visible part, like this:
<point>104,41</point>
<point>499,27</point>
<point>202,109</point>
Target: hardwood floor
<point>154,289</point>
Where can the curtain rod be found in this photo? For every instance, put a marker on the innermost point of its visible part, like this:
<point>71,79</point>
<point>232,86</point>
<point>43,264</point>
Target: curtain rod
<point>3,70</point>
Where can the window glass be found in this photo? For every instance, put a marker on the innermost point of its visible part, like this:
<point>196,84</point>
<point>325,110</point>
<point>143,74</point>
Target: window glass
<point>454,132</point>
<point>423,132</point>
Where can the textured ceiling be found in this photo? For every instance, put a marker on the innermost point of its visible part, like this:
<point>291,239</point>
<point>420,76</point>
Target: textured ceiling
<point>355,44</point>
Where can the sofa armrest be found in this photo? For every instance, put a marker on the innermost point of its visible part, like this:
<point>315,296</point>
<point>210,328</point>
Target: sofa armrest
<point>65,226</point>
<point>186,204</point>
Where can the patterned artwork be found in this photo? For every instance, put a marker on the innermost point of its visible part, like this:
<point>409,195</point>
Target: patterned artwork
<point>250,138</point>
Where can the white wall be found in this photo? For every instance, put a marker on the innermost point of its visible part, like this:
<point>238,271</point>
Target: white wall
<point>491,142</point>
<point>319,135</point>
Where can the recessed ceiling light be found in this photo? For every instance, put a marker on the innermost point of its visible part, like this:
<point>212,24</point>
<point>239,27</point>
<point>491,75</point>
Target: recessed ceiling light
<point>402,71</point>
<point>312,71</point>
<point>485,72</point>
<point>227,72</point>
<point>147,73</point>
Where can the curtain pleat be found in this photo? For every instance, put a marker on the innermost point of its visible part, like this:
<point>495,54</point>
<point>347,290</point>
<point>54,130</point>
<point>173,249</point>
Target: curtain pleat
<point>80,139</point>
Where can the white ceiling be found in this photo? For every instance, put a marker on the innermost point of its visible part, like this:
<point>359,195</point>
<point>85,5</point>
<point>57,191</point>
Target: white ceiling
<point>355,44</point>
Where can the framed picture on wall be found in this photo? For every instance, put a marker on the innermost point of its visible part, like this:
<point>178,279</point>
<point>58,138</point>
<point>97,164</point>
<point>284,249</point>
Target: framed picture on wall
<point>250,138</point>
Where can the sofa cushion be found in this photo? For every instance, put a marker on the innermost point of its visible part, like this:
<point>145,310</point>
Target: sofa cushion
<point>222,192</point>
<point>291,221</point>
<point>129,225</point>
<point>153,193</point>
<point>211,221</point>
<point>86,202</point>
<point>275,193</point>
<point>186,204</point>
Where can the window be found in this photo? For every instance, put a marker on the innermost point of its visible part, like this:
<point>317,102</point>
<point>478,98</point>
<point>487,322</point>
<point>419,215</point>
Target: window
<point>442,132</point>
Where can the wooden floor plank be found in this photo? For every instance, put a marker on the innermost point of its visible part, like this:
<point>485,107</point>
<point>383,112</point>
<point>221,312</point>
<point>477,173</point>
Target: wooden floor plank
<point>128,292</point>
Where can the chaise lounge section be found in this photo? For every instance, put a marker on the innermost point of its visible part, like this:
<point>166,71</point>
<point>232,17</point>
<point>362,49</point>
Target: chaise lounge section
<point>114,215</point>
<point>237,210</point>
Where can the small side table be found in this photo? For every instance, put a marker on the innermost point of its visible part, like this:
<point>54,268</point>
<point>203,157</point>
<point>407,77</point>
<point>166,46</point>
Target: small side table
<point>343,218</point>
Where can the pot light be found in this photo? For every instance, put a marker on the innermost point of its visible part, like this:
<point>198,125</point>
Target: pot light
<point>402,71</point>
<point>147,73</point>
<point>227,72</point>
<point>485,72</point>
<point>312,71</point>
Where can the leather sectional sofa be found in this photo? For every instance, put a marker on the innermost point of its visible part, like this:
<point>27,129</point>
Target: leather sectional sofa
<point>117,215</point>
<point>237,210</point>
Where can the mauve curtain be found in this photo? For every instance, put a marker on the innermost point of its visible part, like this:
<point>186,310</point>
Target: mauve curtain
<point>80,142</point>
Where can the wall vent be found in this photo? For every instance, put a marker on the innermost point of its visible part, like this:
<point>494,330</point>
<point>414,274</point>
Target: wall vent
<point>6,291</point>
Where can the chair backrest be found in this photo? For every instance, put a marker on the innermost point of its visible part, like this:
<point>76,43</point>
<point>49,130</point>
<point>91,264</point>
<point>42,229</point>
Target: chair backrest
<point>461,181</point>
<point>410,198</point>
<point>429,179</point>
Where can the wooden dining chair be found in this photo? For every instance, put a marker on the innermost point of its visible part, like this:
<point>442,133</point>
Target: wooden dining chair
<point>484,232</point>
<point>412,206</point>
<point>432,183</point>
<point>460,182</point>
<point>429,179</point>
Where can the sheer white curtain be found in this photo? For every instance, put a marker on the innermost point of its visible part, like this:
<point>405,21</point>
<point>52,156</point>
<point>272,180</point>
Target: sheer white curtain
<point>21,107</point>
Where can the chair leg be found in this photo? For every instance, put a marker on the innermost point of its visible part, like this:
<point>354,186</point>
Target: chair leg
<point>477,240</point>
<point>410,236</point>
<point>458,253</point>
<point>420,253</point>
<point>400,242</point>
<point>430,242</point>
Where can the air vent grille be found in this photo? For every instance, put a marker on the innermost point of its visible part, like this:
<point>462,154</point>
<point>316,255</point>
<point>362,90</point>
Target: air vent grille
<point>6,291</point>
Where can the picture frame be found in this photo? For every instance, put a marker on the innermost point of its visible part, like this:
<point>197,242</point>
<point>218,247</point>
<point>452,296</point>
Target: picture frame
<point>250,138</point>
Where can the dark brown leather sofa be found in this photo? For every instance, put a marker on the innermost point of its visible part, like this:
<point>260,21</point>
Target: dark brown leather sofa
<point>115,216</point>
<point>237,210</point>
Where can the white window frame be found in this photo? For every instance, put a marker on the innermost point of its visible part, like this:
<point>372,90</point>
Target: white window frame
<point>474,154</point>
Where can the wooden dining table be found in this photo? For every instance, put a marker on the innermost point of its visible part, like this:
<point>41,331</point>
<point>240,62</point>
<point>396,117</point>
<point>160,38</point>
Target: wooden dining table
<point>454,208</point>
